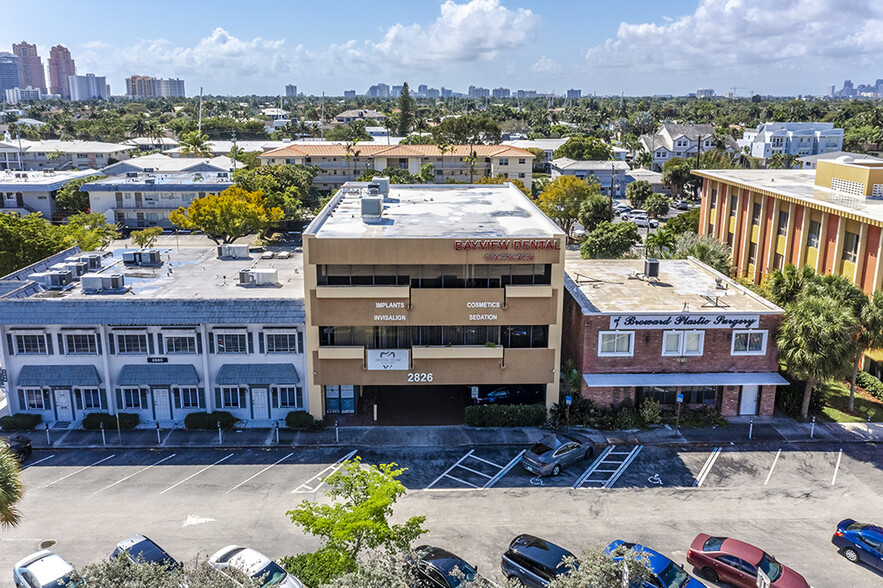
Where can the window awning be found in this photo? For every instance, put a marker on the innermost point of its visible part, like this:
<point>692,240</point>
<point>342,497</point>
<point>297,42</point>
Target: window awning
<point>707,379</point>
<point>58,376</point>
<point>257,374</point>
<point>163,374</point>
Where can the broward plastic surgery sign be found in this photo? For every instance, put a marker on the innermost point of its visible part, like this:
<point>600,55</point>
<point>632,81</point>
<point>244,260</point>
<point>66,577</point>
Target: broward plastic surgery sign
<point>684,321</point>
<point>388,359</point>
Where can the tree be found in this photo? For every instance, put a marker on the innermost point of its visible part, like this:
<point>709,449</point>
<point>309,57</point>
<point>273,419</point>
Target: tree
<point>684,222</point>
<point>427,173</point>
<point>69,197</point>
<point>657,205</point>
<point>644,159</point>
<point>11,488</point>
<point>500,179</point>
<point>406,111</point>
<point>584,148</point>
<point>676,174</point>
<point>357,518</point>
<point>145,238</point>
<point>539,158</point>
<point>610,241</point>
<point>227,216</point>
<point>195,144</point>
<point>595,209</point>
<point>638,193</point>
<point>784,286</point>
<point>285,186</point>
<point>596,567</point>
<point>121,572</point>
<point>467,130</point>
<point>870,335</point>
<point>562,198</point>
<point>661,243</point>
<point>91,230</point>
<point>817,341</point>
<point>707,249</point>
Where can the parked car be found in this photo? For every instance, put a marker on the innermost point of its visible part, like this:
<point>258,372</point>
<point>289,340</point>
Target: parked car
<point>644,222</point>
<point>721,559</point>
<point>681,205</point>
<point>141,549</point>
<point>435,567</point>
<point>534,562</point>
<point>554,452</point>
<point>508,395</point>
<point>44,569</point>
<point>620,208</point>
<point>19,445</point>
<point>253,564</point>
<point>860,542</point>
<point>667,573</point>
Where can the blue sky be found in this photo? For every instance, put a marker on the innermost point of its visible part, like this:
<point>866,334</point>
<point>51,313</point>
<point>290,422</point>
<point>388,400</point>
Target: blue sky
<point>638,47</point>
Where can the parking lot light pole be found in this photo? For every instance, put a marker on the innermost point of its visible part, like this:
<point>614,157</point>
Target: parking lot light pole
<point>48,440</point>
<point>812,428</point>
<point>220,438</point>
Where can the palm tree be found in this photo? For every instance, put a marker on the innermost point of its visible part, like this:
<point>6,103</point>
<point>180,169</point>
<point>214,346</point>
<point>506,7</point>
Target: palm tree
<point>784,286</point>
<point>870,335</point>
<point>817,341</point>
<point>662,243</point>
<point>11,489</point>
<point>195,144</point>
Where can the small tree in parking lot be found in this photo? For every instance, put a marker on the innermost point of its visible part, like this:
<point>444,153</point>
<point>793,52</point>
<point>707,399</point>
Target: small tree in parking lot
<point>121,572</point>
<point>145,238</point>
<point>597,567</point>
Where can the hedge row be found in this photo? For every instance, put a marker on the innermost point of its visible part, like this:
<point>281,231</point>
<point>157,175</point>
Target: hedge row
<point>210,420</point>
<point>299,419</point>
<point>512,415</point>
<point>871,384</point>
<point>20,422</point>
<point>94,420</point>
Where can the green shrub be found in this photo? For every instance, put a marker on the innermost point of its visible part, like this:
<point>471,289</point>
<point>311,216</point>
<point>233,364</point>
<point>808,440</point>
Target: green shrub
<point>650,412</point>
<point>299,419</point>
<point>583,412</point>
<point>871,384</point>
<point>319,568</point>
<point>626,418</point>
<point>93,421</point>
<point>707,416</point>
<point>789,398</point>
<point>209,420</point>
<point>511,415</point>
<point>20,422</point>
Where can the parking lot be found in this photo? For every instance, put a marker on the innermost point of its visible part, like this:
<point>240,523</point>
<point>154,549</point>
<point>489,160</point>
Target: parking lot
<point>475,499</point>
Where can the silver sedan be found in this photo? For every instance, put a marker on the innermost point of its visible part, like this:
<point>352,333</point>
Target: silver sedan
<point>554,452</point>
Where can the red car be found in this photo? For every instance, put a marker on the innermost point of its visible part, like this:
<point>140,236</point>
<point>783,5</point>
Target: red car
<point>734,562</point>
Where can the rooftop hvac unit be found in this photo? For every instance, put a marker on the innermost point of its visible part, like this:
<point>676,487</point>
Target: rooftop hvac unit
<point>234,251</point>
<point>246,277</point>
<point>113,282</point>
<point>77,268</point>
<point>651,268</point>
<point>93,259</point>
<point>372,206</point>
<point>374,189</point>
<point>142,258</point>
<point>383,183</point>
<point>259,277</point>
<point>150,181</point>
<point>93,283</point>
<point>54,279</point>
<point>131,174</point>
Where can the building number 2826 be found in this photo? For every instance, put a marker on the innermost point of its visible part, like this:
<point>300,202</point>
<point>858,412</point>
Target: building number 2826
<point>420,377</point>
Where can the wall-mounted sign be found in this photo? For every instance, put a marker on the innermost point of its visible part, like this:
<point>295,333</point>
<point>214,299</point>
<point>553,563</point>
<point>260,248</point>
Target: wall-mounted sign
<point>387,359</point>
<point>507,244</point>
<point>684,321</point>
<point>157,360</point>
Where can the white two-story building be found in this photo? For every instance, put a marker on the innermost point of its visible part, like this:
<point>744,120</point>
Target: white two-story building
<point>792,139</point>
<point>27,192</point>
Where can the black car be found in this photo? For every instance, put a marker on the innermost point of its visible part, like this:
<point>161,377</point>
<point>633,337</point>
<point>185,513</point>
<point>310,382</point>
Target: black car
<point>141,549</point>
<point>534,562</point>
<point>437,568</point>
<point>19,445</point>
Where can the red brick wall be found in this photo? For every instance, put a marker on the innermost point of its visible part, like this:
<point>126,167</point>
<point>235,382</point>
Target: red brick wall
<point>573,328</point>
<point>767,400</point>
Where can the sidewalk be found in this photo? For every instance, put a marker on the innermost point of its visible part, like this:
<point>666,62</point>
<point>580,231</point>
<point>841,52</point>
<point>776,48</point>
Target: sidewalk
<point>763,430</point>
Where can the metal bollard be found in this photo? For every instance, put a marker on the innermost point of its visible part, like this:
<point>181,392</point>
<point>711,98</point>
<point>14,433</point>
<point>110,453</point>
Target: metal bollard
<point>812,428</point>
<point>869,428</point>
<point>103,440</point>
<point>48,440</point>
<point>337,432</point>
<point>158,439</point>
<point>751,428</point>
<point>220,438</point>
<point>276,426</point>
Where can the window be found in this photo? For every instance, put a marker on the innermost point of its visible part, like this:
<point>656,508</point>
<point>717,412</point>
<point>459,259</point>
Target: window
<point>34,399</point>
<point>755,214</point>
<point>615,343</point>
<point>779,261</point>
<point>181,344</point>
<point>131,398</point>
<point>290,396</point>
<point>235,343</point>
<point>91,398</point>
<point>504,161</point>
<point>189,397</point>
<point>522,161</point>
<point>282,343</point>
<point>229,398</point>
<point>812,236</point>
<point>699,394</point>
<point>521,175</point>
<point>81,344</point>
<point>734,205</point>
<point>783,223</point>
<point>752,253</point>
<point>132,343</point>
<point>850,247</point>
<point>30,344</point>
<point>749,343</point>
<point>683,342</point>
<point>661,394</point>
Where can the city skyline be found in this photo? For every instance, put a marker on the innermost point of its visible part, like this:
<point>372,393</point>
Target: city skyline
<point>769,48</point>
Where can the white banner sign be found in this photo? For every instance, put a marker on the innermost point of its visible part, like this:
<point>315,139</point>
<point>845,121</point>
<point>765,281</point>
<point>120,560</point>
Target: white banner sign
<point>388,359</point>
<point>684,321</point>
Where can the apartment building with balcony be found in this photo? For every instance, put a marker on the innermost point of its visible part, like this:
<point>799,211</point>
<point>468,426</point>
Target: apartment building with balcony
<point>28,192</point>
<point>420,297</point>
<point>52,154</point>
<point>792,139</point>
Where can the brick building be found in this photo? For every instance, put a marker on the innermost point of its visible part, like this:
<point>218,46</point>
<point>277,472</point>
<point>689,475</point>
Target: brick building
<point>687,330</point>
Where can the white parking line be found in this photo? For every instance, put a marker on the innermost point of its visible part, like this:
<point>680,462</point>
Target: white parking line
<point>837,467</point>
<point>778,453</point>
<point>78,471</point>
<point>505,470</point>
<point>36,462</point>
<point>135,474</point>
<point>709,463</point>
<point>447,471</point>
<point>305,488</point>
<point>197,473</point>
<point>258,474</point>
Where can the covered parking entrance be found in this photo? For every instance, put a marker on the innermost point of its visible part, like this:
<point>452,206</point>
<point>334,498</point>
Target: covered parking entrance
<point>417,405</point>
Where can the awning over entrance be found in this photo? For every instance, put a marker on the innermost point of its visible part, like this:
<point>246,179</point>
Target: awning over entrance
<point>58,376</point>
<point>158,375</point>
<point>257,374</point>
<point>711,379</point>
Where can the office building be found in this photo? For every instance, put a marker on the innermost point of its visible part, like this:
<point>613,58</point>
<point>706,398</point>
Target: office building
<point>378,91</point>
<point>16,95</point>
<point>705,93</point>
<point>349,93</point>
<point>396,91</point>
<point>10,72</point>
<point>290,91</point>
<point>574,94</point>
<point>32,72</point>
<point>88,87</point>
<point>421,297</point>
<point>61,65</point>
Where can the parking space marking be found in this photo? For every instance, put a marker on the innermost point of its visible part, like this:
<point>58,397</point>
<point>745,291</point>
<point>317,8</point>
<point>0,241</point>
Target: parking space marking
<point>709,463</point>
<point>259,473</point>
<point>135,474</point>
<point>505,469</point>
<point>83,469</point>
<point>36,462</point>
<point>618,460</point>
<point>492,479</point>
<point>197,473</point>
<point>447,471</point>
<point>305,488</point>
<point>591,469</point>
<point>778,453</point>
<point>837,467</point>
<point>496,465</point>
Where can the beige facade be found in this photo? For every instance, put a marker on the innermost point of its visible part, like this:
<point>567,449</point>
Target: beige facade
<point>462,284</point>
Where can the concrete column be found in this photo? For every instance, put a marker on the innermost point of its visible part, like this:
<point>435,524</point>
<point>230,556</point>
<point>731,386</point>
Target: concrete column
<point>823,244</point>
<point>860,258</point>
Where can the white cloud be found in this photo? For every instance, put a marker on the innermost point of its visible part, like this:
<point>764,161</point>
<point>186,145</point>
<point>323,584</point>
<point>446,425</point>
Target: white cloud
<point>96,45</point>
<point>546,67</point>
<point>737,39</point>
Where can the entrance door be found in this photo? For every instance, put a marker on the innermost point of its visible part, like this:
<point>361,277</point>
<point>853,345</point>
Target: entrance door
<point>63,405</point>
<point>161,404</point>
<point>748,405</point>
<point>259,403</point>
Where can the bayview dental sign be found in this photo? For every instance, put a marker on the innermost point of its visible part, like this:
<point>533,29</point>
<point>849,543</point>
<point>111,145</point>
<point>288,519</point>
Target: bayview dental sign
<point>684,321</point>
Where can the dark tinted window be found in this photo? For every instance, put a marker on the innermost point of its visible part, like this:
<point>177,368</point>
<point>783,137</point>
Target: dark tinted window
<point>770,567</point>
<point>147,552</point>
<point>856,526</point>
<point>713,544</point>
<point>540,449</point>
<point>729,560</point>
